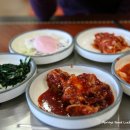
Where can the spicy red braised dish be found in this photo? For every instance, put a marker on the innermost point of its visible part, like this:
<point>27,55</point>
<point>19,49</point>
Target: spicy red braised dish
<point>124,73</point>
<point>72,95</point>
<point>109,43</point>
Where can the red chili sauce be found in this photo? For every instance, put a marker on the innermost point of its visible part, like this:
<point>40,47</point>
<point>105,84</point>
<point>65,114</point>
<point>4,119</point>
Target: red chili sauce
<point>51,102</point>
<point>73,95</point>
<point>124,73</point>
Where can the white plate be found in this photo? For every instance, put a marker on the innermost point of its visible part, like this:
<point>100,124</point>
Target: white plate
<point>84,41</point>
<point>39,85</point>
<point>17,45</point>
<point>118,64</point>
<point>18,89</point>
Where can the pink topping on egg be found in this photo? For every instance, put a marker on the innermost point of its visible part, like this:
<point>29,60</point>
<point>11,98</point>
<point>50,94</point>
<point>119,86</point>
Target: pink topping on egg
<point>46,44</point>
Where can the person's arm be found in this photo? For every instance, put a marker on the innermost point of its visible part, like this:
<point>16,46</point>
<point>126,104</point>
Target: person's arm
<point>44,9</point>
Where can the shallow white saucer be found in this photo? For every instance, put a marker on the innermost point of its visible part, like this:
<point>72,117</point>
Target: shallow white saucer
<point>84,44</point>
<point>39,85</point>
<point>17,45</point>
<point>12,92</point>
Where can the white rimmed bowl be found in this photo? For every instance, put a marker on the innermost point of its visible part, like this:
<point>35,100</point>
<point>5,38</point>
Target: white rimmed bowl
<point>18,89</point>
<point>118,64</point>
<point>39,85</point>
<point>84,44</point>
<point>17,45</point>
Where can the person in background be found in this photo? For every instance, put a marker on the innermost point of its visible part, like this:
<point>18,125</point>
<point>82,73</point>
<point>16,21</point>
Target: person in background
<point>45,9</point>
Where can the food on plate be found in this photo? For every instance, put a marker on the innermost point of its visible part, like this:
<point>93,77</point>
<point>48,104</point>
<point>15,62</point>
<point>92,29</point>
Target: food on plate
<point>124,73</point>
<point>57,79</point>
<point>11,74</point>
<point>75,95</point>
<point>44,44</point>
<point>109,43</point>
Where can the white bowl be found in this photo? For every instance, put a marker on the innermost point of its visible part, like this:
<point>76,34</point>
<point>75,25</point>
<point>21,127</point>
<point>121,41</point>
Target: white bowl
<point>84,41</point>
<point>17,45</point>
<point>18,89</point>
<point>119,63</point>
<point>39,85</point>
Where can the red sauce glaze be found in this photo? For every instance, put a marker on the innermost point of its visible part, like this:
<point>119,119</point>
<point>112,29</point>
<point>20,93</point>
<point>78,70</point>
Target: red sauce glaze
<point>125,69</point>
<point>79,95</point>
<point>51,102</point>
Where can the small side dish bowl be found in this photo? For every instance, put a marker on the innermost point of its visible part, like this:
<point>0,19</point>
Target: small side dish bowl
<point>45,46</point>
<point>39,85</point>
<point>119,63</point>
<point>11,92</point>
<point>84,44</point>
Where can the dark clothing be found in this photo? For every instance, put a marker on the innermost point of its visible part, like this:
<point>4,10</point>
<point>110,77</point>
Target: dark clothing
<point>89,6</point>
<point>44,9</point>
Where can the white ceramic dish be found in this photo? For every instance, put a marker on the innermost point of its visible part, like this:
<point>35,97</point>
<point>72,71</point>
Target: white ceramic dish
<point>119,63</point>
<point>84,41</point>
<point>39,85</point>
<point>18,89</point>
<point>17,45</point>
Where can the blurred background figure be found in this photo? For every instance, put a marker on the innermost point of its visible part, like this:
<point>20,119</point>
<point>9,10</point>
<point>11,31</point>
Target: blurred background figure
<point>45,9</point>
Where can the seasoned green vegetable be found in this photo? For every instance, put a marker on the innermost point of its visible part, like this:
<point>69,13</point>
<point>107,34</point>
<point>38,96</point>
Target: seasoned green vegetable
<point>11,74</point>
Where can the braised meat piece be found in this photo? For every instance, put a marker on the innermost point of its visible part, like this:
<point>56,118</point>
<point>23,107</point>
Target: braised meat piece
<point>78,87</point>
<point>88,80</point>
<point>57,79</point>
<point>79,109</point>
<point>73,91</point>
<point>86,89</point>
<point>78,95</point>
